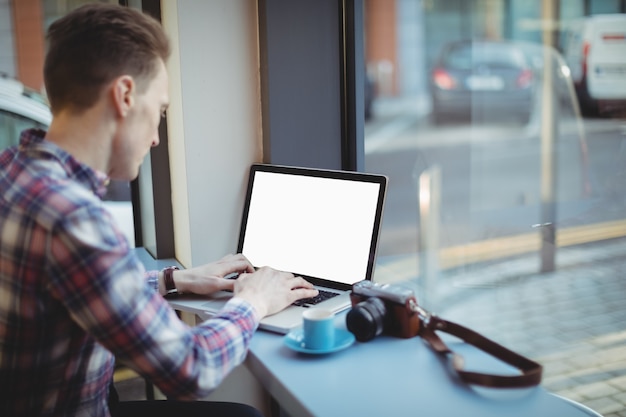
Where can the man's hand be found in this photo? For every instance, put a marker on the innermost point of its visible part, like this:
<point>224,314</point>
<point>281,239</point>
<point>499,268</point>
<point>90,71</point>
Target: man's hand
<point>270,291</point>
<point>209,278</point>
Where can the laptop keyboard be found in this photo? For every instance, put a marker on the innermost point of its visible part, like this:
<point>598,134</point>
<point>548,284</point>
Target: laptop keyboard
<point>322,296</point>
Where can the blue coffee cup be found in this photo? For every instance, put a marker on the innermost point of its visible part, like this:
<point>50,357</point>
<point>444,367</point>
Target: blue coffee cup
<point>319,329</point>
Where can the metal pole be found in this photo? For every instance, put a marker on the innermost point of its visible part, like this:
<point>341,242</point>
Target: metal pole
<point>549,133</point>
<point>429,198</point>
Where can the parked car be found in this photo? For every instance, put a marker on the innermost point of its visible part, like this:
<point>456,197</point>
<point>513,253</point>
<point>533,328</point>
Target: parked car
<point>20,109</point>
<point>594,48</point>
<point>482,78</point>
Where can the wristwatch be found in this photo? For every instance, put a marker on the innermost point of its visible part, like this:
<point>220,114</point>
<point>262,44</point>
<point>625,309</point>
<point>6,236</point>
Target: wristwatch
<point>170,286</point>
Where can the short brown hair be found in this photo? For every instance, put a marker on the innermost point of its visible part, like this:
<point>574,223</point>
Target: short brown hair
<point>96,43</point>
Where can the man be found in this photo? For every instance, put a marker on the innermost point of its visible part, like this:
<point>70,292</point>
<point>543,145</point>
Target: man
<point>72,293</point>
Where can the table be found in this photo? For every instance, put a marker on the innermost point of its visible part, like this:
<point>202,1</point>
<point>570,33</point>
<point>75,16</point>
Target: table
<point>390,376</point>
<point>385,377</point>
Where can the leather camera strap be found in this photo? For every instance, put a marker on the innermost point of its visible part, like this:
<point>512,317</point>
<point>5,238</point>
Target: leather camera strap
<point>530,370</point>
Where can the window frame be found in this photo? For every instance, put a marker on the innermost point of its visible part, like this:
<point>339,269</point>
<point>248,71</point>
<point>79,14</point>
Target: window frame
<point>152,211</point>
<point>339,123</point>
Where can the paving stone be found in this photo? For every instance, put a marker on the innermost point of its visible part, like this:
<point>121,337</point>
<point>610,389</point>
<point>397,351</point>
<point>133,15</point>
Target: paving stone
<point>572,320</point>
<point>619,383</point>
<point>621,397</point>
<point>594,390</point>
<point>604,405</point>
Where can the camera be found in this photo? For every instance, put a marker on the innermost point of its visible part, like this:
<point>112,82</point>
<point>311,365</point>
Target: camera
<point>382,308</point>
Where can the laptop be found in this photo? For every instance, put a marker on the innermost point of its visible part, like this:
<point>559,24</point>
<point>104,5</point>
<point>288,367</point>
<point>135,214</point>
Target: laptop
<point>322,225</point>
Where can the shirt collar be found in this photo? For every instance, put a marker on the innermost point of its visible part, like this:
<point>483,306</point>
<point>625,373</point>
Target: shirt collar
<point>33,142</point>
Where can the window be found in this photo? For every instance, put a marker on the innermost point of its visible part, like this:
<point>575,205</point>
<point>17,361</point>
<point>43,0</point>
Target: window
<point>503,138</point>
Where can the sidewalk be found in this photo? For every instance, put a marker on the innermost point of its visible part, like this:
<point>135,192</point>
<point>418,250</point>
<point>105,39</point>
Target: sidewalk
<point>573,320</point>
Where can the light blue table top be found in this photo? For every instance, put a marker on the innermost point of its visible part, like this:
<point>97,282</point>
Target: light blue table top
<point>390,376</point>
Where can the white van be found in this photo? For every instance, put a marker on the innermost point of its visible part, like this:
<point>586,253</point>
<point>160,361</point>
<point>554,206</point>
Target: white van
<point>595,50</point>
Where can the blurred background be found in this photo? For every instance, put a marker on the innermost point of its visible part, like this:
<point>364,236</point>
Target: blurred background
<point>501,125</point>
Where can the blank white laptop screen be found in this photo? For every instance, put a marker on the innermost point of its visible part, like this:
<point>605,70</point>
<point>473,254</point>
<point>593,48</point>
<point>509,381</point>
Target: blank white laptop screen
<point>323,227</point>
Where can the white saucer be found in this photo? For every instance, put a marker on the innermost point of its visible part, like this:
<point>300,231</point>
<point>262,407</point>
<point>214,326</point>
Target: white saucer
<point>295,341</point>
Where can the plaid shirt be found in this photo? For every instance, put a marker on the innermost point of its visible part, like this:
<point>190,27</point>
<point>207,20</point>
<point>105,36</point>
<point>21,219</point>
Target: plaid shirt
<point>73,294</point>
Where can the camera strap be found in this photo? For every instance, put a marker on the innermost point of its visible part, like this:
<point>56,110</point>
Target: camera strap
<point>530,370</point>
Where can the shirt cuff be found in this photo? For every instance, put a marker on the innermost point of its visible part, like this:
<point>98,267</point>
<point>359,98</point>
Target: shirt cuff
<point>242,305</point>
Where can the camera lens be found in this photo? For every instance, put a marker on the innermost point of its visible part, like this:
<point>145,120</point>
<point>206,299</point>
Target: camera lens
<point>366,319</point>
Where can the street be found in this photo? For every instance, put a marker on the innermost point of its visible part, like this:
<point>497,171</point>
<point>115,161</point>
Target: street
<point>491,176</point>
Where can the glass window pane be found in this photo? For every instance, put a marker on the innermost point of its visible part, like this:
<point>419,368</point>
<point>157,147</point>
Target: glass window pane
<point>502,132</point>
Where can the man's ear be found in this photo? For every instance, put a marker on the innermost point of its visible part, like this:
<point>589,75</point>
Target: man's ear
<point>123,94</point>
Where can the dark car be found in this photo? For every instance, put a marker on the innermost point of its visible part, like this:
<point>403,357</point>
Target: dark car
<point>481,79</point>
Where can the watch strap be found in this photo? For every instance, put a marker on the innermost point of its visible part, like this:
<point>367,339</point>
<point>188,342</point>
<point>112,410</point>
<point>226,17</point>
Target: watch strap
<point>170,286</point>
